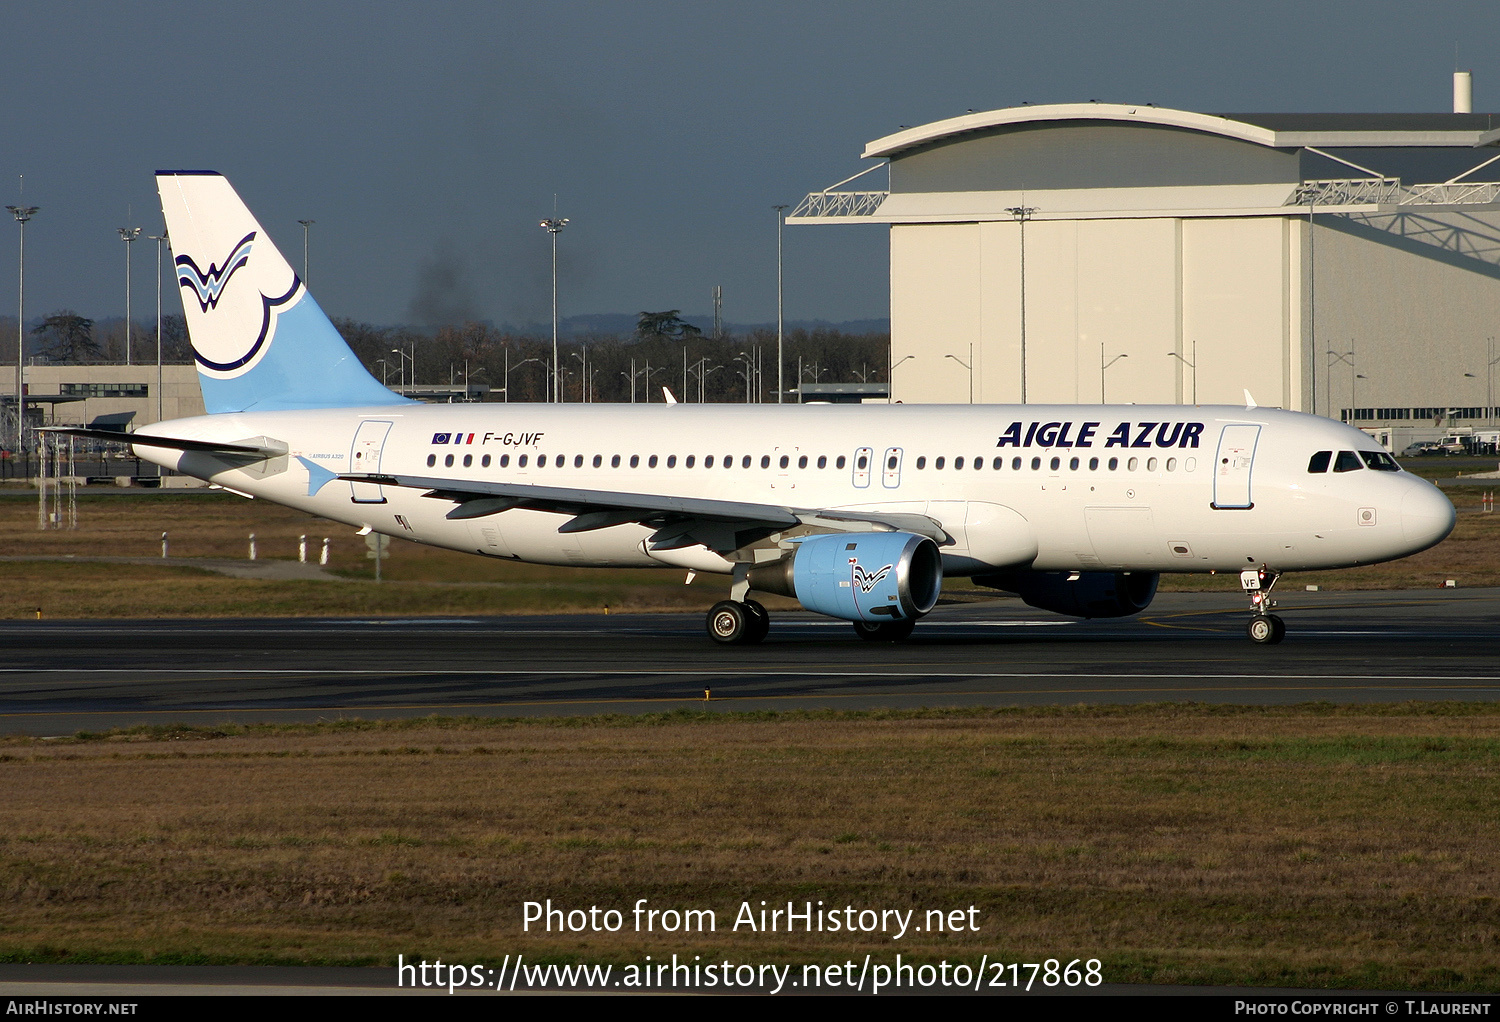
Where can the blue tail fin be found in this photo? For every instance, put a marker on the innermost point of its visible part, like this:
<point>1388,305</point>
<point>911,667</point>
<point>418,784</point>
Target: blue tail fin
<point>260,341</point>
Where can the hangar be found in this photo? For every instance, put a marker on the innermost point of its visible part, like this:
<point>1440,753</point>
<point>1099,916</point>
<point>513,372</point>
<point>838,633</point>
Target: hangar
<point>1343,264</point>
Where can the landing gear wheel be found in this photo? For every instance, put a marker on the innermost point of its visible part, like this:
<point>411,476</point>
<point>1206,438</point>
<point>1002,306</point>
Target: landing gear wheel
<point>1267,629</point>
<point>734,624</point>
<point>885,631</point>
<point>761,619</point>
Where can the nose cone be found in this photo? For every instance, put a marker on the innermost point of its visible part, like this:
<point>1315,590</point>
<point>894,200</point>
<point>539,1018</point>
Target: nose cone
<point>1427,516</point>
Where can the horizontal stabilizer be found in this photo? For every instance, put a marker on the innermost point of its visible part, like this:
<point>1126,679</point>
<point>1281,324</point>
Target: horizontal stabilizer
<point>170,443</point>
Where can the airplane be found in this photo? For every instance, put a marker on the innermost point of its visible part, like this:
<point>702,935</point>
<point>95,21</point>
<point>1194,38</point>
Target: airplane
<point>857,512</point>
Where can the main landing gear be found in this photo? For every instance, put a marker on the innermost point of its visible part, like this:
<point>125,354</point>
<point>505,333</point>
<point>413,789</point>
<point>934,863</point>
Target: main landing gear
<point>738,623</point>
<point>1263,626</point>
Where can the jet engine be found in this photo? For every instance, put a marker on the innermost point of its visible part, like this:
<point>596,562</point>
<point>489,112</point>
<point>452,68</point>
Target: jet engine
<point>859,576</point>
<point>1079,593</point>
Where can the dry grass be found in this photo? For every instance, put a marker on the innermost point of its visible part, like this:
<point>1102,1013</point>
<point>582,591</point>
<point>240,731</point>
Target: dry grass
<point>1300,847</point>
<point>433,581</point>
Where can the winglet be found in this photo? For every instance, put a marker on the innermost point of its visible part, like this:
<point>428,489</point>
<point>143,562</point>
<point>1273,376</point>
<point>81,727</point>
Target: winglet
<point>666,395</point>
<point>1250,404</point>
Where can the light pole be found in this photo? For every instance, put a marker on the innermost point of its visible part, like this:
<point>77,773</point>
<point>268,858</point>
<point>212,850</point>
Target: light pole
<point>509,367</point>
<point>22,215</point>
<point>1489,379</point>
<point>1193,365</point>
<point>128,235</point>
<point>749,372</point>
<point>1021,215</point>
<point>554,227</point>
<point>1354,405</point>
<point>1334,358</point>
<point>305,225</point>
<point>890,374</point>
<point>404,359</point>
<point>1103,365</point>
<point>158,238</point>
<point>385,371</point>
<point>969,365</point>
<point>780,385</point>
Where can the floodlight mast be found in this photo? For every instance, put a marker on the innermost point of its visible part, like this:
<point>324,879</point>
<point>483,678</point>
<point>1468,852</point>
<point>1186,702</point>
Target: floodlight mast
<point>128,235</point>
<point>22,215</point>
<point>554,226</point>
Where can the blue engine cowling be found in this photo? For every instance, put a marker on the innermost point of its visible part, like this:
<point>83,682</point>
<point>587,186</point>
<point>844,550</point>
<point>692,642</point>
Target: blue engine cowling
<point>860,576</point>
<point>1090,594</point>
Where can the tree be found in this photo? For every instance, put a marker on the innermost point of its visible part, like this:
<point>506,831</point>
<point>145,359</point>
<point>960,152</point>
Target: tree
<point>68,337</point>
<point>653,326</point>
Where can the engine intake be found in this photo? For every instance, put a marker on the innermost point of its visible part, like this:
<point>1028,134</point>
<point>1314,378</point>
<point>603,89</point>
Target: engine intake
<point>860,576</point>
<point>1090,594</point>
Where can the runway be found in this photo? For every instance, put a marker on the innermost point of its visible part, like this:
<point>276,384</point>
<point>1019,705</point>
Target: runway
<point>59,677</point>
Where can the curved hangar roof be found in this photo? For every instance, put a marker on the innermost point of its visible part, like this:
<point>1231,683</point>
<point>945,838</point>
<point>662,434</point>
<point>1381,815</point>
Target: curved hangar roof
<point>1276,131</point>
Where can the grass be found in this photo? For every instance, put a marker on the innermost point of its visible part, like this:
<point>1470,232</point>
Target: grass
<point>1310,846</point>
<point>427,580</point>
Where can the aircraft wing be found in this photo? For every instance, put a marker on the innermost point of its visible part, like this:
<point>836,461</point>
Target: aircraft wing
<point>681,521</point>
<point>249,449</point>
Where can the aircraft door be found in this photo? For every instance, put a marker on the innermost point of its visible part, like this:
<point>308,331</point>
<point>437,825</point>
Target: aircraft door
<point>1233,467</point>
<point>862,459</point>
<point>891,468</point>
<point>364,456</point>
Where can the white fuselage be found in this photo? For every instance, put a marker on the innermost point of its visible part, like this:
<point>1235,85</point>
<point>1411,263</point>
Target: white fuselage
<point>1097,488</point>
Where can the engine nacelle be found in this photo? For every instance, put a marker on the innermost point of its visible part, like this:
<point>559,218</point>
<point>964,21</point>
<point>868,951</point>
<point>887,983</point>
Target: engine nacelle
<point>1091,594</point>
<point>859,576</point>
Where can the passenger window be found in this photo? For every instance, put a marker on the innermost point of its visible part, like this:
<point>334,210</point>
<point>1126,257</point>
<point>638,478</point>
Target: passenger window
<point>840,462</point>
<point>541,460</point>
<point>598,460</point>
<point>431,460</point>
<point>921,462</point>
<point>1348,461</point>
<point>1130,465</point>
<point>765,461</point>
<point>1150,464</point>
<point>689,462</point>
<point>890,462</point>
<point>958,463</point>
<point>1036,463</point>
<point>1319,462</point>
<point>1015,463</point>
<point>938,463</point>
<point>614,462</point>
<point>578,461</point>
<point>999,464</point>
<point>635,461</point>
<point>979,462</point>
<point>520,462</point>
<point>745,461</point>
<point>708,462</point>
<point>822,461</point>
<point>484,462</point>
<point>1114,463</point>
<point>1073,464</point>
<point>785,462</point>
<point>671,461</point>
<point>505,461</point>
<point>651,462</point>
<point>1171,464</point>
<point>802,461</point>
<point>864,462</point>
<point>1093,464</point>
<point>1056,462</point>
<point>468,461</point>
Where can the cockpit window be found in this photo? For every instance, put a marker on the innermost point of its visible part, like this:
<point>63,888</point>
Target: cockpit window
<point>1319,461</point>
<point>1348,461</point>
<point>1380,461</point>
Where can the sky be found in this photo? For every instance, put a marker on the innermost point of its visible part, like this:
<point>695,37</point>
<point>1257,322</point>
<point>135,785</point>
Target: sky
<point>427,139</point>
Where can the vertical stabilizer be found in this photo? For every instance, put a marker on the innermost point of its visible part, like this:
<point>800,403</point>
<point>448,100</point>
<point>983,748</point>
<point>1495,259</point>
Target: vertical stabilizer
<point>260,340</point>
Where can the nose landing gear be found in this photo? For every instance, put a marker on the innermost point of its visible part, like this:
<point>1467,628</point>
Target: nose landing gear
<point>1263,626</point>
